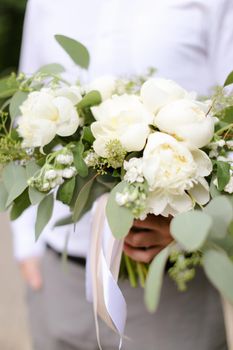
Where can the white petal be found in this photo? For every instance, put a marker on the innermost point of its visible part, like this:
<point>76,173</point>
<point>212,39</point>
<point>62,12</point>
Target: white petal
<point>200,192</point>
<point>181,203</point>
<point>68,117</point>
<point>157,202</point>
<point>204,164</point>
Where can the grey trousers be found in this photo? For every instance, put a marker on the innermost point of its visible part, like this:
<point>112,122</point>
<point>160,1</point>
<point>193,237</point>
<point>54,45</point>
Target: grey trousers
<point>62,319</point>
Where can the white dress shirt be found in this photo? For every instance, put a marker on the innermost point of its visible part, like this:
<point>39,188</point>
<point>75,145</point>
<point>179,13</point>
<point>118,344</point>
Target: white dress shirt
<point>190,41</point>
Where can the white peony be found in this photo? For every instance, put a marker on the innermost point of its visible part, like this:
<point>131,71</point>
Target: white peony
<point>157,92</point>
<point>187,121</point>
<point>44,115</point>
<point>122,118</point>
<point>106,85</point>
<point>175,175</point>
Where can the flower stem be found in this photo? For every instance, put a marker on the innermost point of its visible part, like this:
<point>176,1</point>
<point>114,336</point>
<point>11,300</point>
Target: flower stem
<point>131,272</point>
<point>141,274</point>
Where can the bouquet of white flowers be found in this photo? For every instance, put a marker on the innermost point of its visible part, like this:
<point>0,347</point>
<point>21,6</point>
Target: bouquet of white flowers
<point>154,146</point>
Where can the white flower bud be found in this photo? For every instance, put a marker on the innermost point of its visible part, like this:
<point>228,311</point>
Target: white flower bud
<point>122,198</point>
<point>50,174</point>
<point>69,172</point>
<point>65,159</point>
<point>45,186</point>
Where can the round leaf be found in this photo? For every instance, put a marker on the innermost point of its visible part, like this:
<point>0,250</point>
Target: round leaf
<point>191,229</point>
<point>154,280</point>
<point>221,211</point>
<point>120,219</point>
<point>219,269</point>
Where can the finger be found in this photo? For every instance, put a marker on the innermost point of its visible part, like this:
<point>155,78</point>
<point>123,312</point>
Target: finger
<point>141,255</point>
<point>32,275</point>
<point>146,239</point>
<point>153,222</point>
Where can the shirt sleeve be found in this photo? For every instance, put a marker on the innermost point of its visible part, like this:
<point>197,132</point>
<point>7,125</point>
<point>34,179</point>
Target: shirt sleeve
<point>24,242</point>
<point>30,56</point>
<point>221,29</point>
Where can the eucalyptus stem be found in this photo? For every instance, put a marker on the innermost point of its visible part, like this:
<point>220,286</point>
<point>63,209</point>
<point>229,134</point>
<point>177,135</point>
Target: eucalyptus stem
<point>141,274</point>
<point>220,131</point>
<point>131,272</point>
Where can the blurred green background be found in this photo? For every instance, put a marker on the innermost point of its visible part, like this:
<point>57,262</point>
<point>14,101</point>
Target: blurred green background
<point>11,25</point>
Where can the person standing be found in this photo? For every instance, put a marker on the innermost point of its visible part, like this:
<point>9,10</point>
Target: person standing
<point>186,40</point>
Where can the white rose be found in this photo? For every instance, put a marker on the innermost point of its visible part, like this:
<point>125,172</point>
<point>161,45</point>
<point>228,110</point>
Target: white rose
<point>187,121</point>
<point>173,173</point>
<point>122,118</point>
<point>106,86</point>
<point>36,132</point>
<point>44,116</point>
<point>157,92</point>
<point>68,119</point>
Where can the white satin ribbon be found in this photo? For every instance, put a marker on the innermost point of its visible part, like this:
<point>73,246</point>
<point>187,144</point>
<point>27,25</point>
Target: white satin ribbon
<point>103,264</point>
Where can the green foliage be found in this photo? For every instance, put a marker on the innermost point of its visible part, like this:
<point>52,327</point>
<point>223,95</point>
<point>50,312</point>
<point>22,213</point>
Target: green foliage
<point>8,86</point>
<point>79,163</point>
<point>229,79</point>
<point>221,211</point>
<point>183,267</point>
<point>15,181</point>
<point>191,229</point>
<point>44,213</point>
<point>154,279</point>
<point>219,269</point>
<point>20,204</point>
<point>52,68</point>
<point>82,199</point>
<point>77,51</point>
<point>120,219</point>
<point>93,98</point>
<point>3,197</point>
<point>223,174</point>
<point>18,98</point>
<point>65,191</point>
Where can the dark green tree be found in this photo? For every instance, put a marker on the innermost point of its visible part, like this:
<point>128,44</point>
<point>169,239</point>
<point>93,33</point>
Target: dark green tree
<point>11,24</point>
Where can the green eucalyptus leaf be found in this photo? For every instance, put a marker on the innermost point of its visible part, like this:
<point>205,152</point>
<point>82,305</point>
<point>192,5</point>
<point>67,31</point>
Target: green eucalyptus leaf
<point>155,279</point>
<point>219,269</point>
<point>3,197</point>
<point>79,163</point>
<point>214,192</point>
<point>15,181</point>
<point>229,79</point>
<point>65,191</point>
<point>87,134</point>
<point>191,229</point>
<point>223,174</point>
<point>64,221</point>
<point>97,190</point>
<point>32,168</point>
<point>35,195</point>
<point>120,219</point>
<point>226,115</point>
<point>221,211</point>
<point>52,68</point>
<point>77,51</point>
<point>92,98</point>
<point>20,204</point>
<point>82,199</point>
<point>8,86</point>
<point>16,101</point>
<point>44,214</point>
